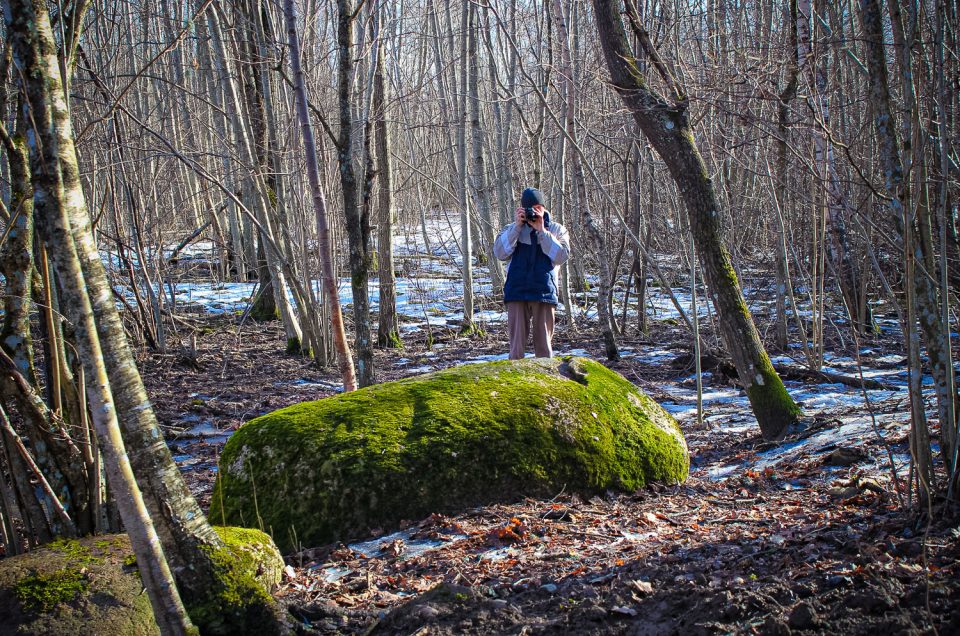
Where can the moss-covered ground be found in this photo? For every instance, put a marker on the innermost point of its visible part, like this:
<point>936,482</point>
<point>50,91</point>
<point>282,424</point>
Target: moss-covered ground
<point>332,469</point>
<point>92,586</point>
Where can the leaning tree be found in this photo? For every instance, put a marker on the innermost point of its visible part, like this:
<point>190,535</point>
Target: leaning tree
<point>666,124</point>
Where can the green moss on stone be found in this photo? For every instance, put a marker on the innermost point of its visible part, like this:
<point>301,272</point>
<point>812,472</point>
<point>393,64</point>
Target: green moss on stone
<point>40,593</point>
<point>331,470</point>
<point>240,606</point>
<point>88,586</point>
<point>71,587</point>
<point>255,551</point>
<point>71,549</point>
<point>247,567</point>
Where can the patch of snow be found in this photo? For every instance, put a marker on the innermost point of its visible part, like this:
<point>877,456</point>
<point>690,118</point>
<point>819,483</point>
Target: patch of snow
<point>412,547</point>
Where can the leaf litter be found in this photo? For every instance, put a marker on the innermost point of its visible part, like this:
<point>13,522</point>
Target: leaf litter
<point>804,536</point>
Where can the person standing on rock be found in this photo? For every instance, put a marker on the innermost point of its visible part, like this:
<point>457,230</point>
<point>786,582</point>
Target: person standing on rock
<point>536,248</point>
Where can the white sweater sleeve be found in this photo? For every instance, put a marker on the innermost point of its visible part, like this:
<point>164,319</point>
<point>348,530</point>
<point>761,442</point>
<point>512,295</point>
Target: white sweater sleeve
<point>506,242</point>
<point>555,243</point>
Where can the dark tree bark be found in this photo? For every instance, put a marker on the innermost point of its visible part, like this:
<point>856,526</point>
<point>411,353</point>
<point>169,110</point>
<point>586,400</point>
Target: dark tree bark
<point>388,327</point>
<point>922,293</point>
<point>357,215</point>
<point>251,72</point>
<point>667,127</point>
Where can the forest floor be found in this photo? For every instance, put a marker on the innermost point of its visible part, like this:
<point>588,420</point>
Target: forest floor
<point>809,536</point>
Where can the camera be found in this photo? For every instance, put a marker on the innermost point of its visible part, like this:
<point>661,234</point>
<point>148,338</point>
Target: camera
<point>530,214</point>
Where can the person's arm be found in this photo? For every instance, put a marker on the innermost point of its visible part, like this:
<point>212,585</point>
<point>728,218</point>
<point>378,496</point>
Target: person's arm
<point>506,241</point>
<point>555,243</point>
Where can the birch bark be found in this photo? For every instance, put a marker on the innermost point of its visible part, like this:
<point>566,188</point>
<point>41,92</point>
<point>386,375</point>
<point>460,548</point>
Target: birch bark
<point>58,200</point>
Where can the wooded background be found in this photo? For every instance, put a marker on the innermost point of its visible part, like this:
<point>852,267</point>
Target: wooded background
<point>805,148</point>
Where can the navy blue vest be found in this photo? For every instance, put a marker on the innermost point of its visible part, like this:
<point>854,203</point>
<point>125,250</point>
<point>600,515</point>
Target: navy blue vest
<point>530,276</point>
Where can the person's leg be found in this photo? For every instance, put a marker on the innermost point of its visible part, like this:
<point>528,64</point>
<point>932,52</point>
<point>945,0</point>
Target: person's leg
<point>517,328</point>
<point>543,320</point>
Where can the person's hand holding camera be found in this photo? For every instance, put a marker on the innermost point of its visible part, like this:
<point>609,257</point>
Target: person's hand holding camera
<point>531,216</point>
<point>521,217</point>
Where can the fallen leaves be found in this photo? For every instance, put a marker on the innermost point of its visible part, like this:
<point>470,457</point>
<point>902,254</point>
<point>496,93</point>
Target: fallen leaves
<point>848,489</point>
<point>514,531</point>
<point>393,548</point>
<point>643,588</point>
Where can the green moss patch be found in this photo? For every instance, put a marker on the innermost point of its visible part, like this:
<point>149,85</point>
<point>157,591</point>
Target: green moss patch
<point>74,587</point>
<point>41,592</point>
<point>91,586</point>
<point>331,470</point>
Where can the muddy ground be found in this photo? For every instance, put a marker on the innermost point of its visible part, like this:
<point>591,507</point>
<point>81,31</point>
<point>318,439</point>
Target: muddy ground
<point>820,542</point>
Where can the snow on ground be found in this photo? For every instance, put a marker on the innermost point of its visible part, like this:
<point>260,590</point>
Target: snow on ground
<point>430,295</point>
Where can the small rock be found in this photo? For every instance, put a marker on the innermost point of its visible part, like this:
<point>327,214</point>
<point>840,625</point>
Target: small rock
<point>560,514</point>
<point>845,457</point>
<point>774,627</point>
<point>499,603</point>
<point>428,613</point>
<point>588,592</point>
<point>624,611</point>
<point>873,602</point>
<point>843,492</point>
<point>837,580</point>
<point>642,587</point>
<point>595,613</point>
<point>908,549</point>
<point>803,616</point>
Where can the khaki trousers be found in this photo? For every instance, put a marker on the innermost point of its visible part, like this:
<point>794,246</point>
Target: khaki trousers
<point>520,314</point>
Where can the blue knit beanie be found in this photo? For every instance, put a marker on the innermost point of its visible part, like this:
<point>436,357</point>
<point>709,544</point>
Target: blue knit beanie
<point>530,198</point>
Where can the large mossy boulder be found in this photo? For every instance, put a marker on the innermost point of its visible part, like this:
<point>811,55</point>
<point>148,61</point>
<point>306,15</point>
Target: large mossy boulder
<point>92,585</point>
<point>333,469</point>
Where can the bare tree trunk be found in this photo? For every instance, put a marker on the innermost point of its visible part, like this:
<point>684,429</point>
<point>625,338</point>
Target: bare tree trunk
<point>897,187</point>
<point>478,175</point>
<point>260,192</point>
<point>50,441</point>
<point>668,128</point>
<point>848,273</point>
<point>319,203</point>
<point>781,144</point>
<point>580,198</point>
<point>265,306</point>
<point>16,257</point>
<point>195,552</point>
<point>356,215</point>
<point>388,328</point>
<point>58,202</point>
<point>466,238</point>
